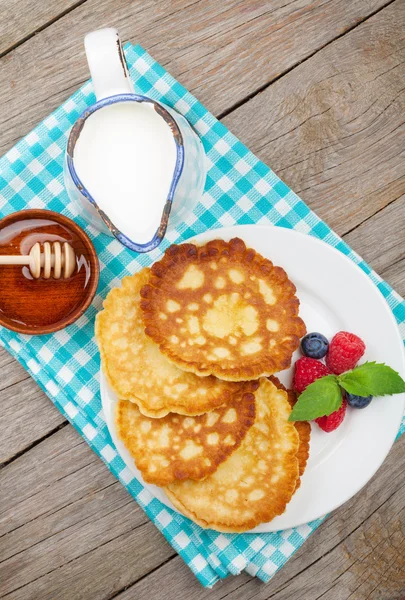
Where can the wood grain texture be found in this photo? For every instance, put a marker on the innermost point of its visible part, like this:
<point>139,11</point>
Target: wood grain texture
<point>72,515</point>
<point>222,51</point>
<point>361,544</point>
<point>26,415</point>
<point>72,531</point>
<point>381,242</point>
<point>334,127</point>
<point>11,372</point>
<point>366,565</point>
<point>21,18</point>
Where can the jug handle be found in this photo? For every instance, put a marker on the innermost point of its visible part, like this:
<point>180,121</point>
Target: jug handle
<point>107,65</point>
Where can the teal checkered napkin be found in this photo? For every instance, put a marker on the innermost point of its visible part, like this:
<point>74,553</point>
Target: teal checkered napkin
<point>239,189</point>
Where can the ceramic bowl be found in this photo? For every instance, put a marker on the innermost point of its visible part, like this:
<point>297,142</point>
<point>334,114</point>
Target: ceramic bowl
<point>42,306</point>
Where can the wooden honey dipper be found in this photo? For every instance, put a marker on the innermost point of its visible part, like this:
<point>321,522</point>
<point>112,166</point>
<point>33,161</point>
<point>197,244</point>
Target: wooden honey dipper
<point>58,257</point>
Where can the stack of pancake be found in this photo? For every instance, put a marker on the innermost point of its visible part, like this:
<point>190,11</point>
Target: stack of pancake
<point>190,348</point>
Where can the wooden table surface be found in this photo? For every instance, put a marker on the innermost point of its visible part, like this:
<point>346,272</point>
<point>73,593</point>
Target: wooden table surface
<point>316,88</point>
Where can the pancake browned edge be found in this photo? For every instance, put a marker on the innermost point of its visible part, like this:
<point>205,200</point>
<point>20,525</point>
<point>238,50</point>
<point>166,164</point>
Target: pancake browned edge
<point>255,484</point>
<point>303,428</point>
<point>177,447</point>
<point>222,309</point>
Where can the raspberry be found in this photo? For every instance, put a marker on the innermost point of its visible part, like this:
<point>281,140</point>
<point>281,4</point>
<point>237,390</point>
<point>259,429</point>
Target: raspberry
<point>345,351</point>
<point>332,421</point>
<point>307,370</point>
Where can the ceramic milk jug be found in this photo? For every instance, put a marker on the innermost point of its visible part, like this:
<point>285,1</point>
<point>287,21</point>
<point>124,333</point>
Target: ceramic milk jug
<point>133,164</point>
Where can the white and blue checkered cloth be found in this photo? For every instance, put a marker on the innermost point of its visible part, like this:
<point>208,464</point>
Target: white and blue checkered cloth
<point>239,189</point>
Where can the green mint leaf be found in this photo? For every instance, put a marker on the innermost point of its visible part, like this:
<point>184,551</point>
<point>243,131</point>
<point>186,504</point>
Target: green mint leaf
<point>372,379</point>
<point>320,398</point>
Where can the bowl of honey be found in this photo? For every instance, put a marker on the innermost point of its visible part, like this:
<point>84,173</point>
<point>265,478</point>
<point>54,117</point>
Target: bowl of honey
<point>53,296</point>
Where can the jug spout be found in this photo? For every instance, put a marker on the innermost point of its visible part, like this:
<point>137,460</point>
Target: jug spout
<point>107,64</point>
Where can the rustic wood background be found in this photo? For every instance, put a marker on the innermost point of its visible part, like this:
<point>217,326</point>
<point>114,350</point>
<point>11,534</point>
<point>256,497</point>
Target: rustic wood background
<point>317,90</point>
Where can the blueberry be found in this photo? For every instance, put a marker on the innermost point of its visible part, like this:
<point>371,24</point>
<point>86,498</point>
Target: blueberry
<point>358,401</point>
<point>314,345</point>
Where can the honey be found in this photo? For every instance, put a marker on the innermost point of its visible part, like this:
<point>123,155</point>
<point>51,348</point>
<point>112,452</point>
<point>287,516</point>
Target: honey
<point>43,305</point>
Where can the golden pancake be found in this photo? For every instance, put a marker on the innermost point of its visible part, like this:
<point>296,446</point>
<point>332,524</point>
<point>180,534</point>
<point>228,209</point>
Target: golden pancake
<point>256,482</point>
<point>180,447</point>
<point>137,371</point>
<point>303,428</point>
<point>222,309</point>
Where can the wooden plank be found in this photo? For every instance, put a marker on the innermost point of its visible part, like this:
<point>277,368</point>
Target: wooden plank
<point>222,51</point>
<point>334,127</point>
<point>83,571</point>
<point>60,504</point>
<point>93,574</point>
<point>381,242</point>
<point>355,537</point>
<point>44,479</point>
<point>11,371</point>
<point>179,584</point>
<point>26,416</point>
<point>369,562</point>
<point>395,275</point>
<point>69,529</point>
<point>21,18</point>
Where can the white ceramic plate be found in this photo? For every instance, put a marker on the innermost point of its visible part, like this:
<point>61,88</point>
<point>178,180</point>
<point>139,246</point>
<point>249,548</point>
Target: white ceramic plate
<point>335,295</point>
